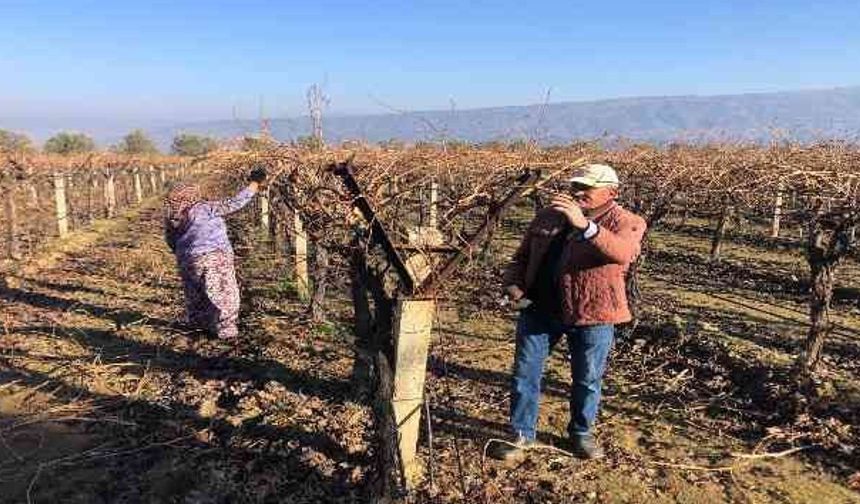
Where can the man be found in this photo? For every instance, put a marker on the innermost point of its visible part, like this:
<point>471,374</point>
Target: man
<point>568,279</point>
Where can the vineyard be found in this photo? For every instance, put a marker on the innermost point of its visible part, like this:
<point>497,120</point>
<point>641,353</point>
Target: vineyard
<point>377,346</point>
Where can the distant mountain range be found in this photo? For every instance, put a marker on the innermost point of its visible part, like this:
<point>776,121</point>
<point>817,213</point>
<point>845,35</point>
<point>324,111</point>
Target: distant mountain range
<point>801,115</point>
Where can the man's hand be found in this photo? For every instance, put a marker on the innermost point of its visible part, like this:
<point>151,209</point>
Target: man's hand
<point>514,292</point>
<point>515,298</point>
<point>568,207</point>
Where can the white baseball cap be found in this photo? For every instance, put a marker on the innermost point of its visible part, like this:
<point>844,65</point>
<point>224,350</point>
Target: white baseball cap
<point>595,175</point>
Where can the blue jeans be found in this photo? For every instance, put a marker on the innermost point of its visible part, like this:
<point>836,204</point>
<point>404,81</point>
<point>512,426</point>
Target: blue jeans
<point>589,346</point>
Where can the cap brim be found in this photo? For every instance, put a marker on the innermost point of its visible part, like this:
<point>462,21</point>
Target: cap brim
<point>581,180</point>
<point>591,183</point>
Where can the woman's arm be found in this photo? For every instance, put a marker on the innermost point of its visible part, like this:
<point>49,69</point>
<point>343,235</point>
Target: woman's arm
<point>237,202</point>
<point>170,237</point>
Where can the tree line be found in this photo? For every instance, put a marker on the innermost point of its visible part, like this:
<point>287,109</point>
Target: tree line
<point>136,142</point>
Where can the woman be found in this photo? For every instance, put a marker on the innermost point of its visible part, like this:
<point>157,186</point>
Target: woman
<point>197,234</point>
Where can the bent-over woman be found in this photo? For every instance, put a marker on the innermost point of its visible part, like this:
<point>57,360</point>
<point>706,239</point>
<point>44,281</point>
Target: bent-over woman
<point>197,234</point>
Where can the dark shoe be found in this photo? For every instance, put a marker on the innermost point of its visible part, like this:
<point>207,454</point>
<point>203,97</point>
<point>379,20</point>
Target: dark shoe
<point>585,447</point>
<point>511,452</point>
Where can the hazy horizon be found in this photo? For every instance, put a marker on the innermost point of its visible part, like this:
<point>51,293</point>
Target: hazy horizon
<point>389,111</point>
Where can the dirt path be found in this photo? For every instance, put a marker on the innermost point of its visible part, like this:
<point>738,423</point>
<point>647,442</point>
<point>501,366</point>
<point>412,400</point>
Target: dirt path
<point>104,399</point>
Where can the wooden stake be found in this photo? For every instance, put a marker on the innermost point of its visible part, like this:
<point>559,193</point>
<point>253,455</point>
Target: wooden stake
<point>412,327</point>
<point>60,203</point>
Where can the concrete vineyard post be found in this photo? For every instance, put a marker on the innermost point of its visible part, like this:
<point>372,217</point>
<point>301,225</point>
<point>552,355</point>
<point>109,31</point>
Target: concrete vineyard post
<point>300,252</point>
<point>60,204</point>
<point>34,194</point>
<point>777,214</point>
<point>152,183</point>
<point>434,201</point>
<point>138,188</point>
<point>264,211</point>
<point>412,327</point>
<point>70,201</point>
<point>110,195</point>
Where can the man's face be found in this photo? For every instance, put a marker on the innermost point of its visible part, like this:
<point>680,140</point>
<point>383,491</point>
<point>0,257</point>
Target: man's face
<point>588,197</point>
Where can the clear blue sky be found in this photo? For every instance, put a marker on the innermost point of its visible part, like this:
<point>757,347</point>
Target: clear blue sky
<point>200,59</point>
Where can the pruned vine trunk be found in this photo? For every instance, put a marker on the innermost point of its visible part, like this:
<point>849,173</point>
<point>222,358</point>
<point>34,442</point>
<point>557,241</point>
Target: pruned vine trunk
<point>720,231</point>
<point>820,296</point>
<point>362,318</point>
<point>12,249</point>
<point>320,282</point>
<point>634,293</point>
<point>631,279</point>
<point>389,477</point>
<point>829,241</point>
<point>92,189</point>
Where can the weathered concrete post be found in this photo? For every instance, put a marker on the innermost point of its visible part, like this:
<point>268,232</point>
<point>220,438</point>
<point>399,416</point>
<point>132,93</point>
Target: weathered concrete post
<point>60,204</point>
<point>412,328</point>
<point>777,214</point>
<point>300,257</point>
<point>152,183</point>
<point>34,194</point>
<point>138,188</point>
<point>110,195</point>
<point>264,211</point>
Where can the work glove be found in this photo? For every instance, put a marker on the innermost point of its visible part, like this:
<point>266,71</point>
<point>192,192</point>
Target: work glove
<point>258,174</point>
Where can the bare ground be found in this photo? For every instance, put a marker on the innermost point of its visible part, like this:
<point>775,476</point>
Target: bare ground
<point>104,398</point>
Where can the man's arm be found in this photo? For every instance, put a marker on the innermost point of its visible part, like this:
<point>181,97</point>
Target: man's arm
<point>621,246</point>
